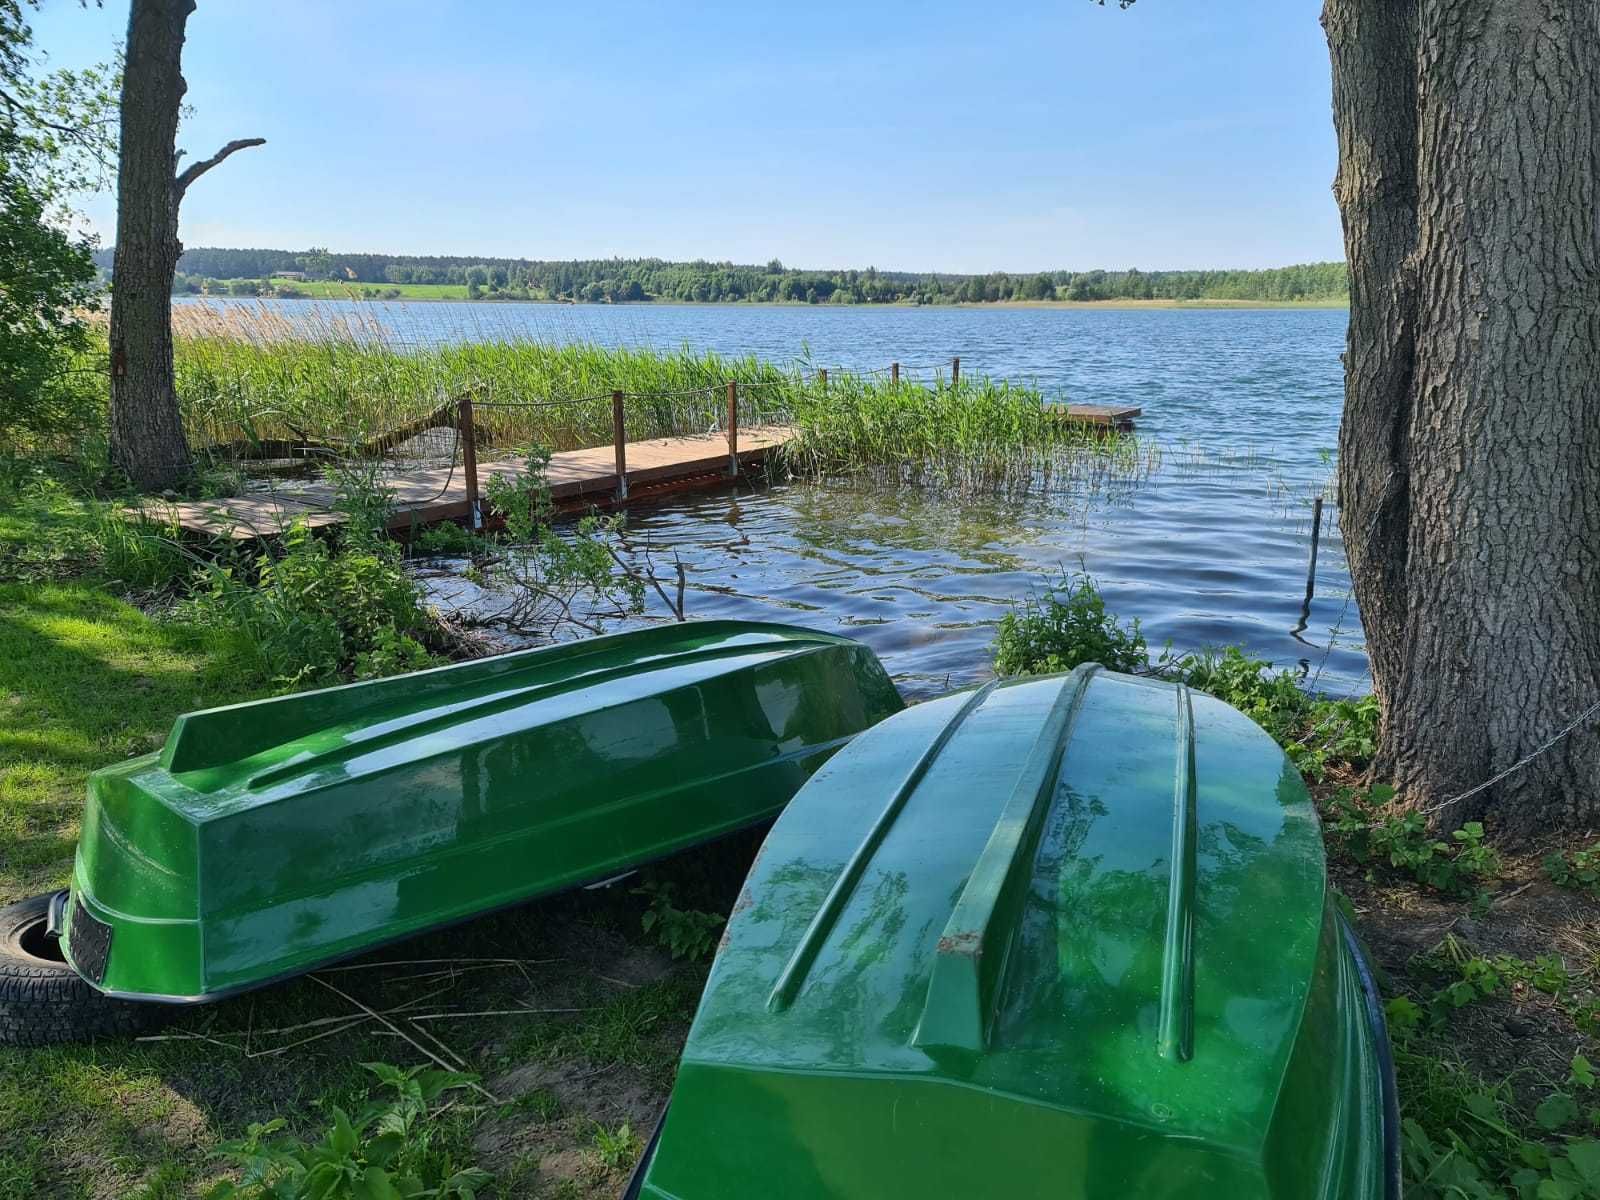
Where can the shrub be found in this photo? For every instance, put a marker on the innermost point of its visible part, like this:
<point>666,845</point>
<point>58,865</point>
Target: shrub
<point>1064,626</point>
<point>308,613</point>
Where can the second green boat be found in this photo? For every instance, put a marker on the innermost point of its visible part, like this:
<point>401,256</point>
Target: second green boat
<point>1063,938</point>
<point>270,837</point>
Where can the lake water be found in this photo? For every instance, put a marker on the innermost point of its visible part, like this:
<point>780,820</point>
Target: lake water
<point>1210,549</point>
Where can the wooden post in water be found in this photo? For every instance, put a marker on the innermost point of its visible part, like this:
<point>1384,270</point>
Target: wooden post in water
<point>822,376</point>
<point>894,374</point>
<point>733,430</point>
<point>619,441</point>
<point>955,371</point>
<point>469,460</point>
<point>1316,536</point>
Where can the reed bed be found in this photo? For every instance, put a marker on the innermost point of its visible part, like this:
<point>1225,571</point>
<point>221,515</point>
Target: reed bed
<point>250,376</point>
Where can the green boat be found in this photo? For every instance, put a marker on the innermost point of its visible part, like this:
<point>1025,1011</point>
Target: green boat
<point>1064,937</point>
<point>272,837</point>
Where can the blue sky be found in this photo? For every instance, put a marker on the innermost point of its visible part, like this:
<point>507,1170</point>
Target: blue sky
<point>919,136</point>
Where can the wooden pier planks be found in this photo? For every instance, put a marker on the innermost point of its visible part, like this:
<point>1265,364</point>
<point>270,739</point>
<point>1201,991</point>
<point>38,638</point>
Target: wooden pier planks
<point>428,495</point>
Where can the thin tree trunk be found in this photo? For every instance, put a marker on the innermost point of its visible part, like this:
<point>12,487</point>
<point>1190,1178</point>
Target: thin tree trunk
<point>1469,465</point>
<point>147,439</point>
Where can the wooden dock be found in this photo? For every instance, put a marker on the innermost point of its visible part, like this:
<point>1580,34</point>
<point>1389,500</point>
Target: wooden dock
<point>426,496</point>
<point>599,476</point>
<point>1113,416</point>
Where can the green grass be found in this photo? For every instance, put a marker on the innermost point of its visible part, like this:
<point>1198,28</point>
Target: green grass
<point>87,679</point>
<point>334,289</point>
<point>250,377</point>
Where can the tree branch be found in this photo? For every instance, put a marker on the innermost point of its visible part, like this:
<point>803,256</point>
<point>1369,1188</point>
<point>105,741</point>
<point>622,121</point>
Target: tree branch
<point>200,168</point>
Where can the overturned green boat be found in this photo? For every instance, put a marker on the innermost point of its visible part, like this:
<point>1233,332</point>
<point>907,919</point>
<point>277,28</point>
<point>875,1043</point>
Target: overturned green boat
<point>270,837</point>
<point>1062,937</point>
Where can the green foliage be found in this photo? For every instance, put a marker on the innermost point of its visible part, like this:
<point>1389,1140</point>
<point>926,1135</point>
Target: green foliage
<point>142,555</point>
<point>1577,869</point>
<point>303,612</point>
<point>391,653</point>
<point>1370,831</point>
<point>975,436</point>
<point>55,141</point>
<point>247,376</point>
<point>1274,701</point>
<point>1472,977</point>
<point>549,567</point>
<point>624,280</point>
<point>1461,1140</point>
<point>685,932</point>
<point>388,1151</point>
<point>449,538</point>
<point>616,1148</point>
<point>1063,626</point>
<point>46,279</point>
<point>1314,731</point>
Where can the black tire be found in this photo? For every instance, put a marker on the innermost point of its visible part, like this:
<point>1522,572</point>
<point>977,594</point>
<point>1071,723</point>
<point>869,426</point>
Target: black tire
<point>43,1001</point>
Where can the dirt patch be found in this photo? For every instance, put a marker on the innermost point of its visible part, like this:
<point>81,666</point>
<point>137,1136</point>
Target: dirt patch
<point>546,1134</point>
<point>1521,1034</point>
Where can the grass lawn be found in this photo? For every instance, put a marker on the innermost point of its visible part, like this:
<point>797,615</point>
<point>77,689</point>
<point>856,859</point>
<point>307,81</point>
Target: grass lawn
<point>86,679</point>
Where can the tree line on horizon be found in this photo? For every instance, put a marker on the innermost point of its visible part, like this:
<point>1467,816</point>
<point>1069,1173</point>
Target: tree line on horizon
<point>621,280</point>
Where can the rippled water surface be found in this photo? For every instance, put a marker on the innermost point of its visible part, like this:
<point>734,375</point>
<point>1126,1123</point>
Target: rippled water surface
<point>1210,549</point>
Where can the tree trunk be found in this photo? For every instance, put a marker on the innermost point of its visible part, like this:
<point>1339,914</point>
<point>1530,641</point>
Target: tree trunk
<point>147,439</point>
<point>1469,455</point>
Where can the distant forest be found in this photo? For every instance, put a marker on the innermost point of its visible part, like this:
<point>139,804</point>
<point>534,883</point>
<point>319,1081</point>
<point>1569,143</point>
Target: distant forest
<point>619,280</point>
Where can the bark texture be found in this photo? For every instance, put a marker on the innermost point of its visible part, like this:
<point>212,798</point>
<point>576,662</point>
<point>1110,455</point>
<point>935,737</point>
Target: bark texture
<point>1469,455</point>
<point>147,439</point>
<point>146,434</point>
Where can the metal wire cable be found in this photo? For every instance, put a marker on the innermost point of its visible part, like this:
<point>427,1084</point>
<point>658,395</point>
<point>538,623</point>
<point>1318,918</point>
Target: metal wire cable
<point>1549,742</point>
<point>699,391</point>
<point>561,403</point>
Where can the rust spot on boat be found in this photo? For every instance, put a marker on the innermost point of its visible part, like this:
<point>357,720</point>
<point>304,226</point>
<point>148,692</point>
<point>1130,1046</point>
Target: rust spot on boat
<point>967,942</point>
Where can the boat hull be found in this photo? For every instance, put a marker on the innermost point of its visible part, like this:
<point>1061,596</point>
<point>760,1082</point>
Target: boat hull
<point>269,838</point>
<point>1065,937</point>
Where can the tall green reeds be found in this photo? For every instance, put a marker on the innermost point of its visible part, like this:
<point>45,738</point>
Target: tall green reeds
<point>249,376</point>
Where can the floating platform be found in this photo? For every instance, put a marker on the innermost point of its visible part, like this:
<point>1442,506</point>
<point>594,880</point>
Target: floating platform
<point>1114,416</point>
<point>428,495</point>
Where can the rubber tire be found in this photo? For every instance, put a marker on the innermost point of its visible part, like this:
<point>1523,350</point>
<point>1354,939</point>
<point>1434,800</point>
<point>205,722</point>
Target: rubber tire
<point>43,1002</point>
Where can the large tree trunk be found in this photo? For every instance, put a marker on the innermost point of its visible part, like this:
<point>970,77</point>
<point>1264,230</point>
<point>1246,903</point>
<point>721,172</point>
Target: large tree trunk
<point>1469,456</point>
<point>147,439</point>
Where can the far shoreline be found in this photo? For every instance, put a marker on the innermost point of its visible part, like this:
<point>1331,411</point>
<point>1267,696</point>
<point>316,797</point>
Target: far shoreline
<point>1084,305</point>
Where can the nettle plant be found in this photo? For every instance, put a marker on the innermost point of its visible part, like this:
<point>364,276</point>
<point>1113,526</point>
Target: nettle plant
<point>388,1151</point>
<point>685,932</point>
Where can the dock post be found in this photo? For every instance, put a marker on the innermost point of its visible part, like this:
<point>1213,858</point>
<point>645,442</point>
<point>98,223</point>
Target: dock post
<point>894,374</point>
<point>955,371</point>
<point>469,460</point>
<point>619,440</point>
<point>822,377</point>
<point>733,430</point>
<point>1316,536</point>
